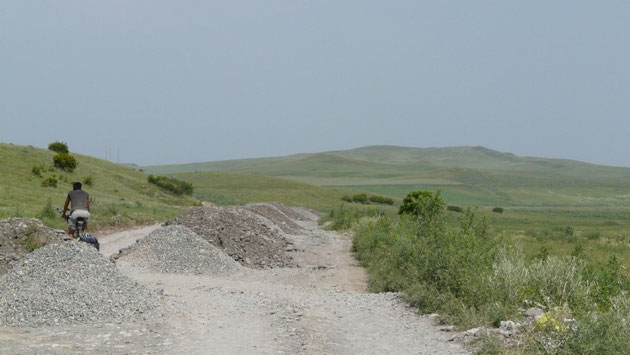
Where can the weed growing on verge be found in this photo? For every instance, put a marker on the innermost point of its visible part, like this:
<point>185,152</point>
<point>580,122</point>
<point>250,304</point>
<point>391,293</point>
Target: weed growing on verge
<point>473,278</point>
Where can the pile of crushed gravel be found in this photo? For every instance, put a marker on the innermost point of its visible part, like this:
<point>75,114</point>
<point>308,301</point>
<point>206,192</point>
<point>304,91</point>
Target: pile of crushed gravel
<point>70,283</point>
<point>291,212</point>
<point>17,235</point>
<point>276,216</point>
<point>177,249</point>
<point>240,234</point>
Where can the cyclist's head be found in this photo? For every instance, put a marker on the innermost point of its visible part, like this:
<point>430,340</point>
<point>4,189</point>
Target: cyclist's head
<point>76,185</point>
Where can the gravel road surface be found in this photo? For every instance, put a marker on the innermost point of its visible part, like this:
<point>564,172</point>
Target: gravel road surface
<point>321,306</point>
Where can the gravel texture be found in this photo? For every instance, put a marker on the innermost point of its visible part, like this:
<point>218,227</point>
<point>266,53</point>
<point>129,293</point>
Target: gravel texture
<point>273,213</point>
<point>177,249</point>
<point>17,233</point>
<point>70,283</point>
<point>240,234</point>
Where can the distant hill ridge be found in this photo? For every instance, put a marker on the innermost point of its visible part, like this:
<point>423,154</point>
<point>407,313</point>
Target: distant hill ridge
<point>466,175</point>
<point>465,157</point>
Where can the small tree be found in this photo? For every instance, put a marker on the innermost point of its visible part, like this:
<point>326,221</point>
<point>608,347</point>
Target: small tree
<point>58,147</point>
<point>423,205</point>
<point>65,162</point>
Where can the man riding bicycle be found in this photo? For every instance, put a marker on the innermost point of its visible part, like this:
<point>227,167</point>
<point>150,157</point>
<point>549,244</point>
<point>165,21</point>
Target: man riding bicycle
<point>80,207</point>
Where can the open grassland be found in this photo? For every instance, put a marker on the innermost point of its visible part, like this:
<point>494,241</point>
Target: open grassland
<point>233,189</point>
<point>120,195</point>
<point>466,175</point>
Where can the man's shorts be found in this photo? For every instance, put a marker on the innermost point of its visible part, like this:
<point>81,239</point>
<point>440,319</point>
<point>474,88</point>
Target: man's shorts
<point>72,219</point>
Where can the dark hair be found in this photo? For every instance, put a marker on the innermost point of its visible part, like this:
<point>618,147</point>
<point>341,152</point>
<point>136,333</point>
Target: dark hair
<point>76,185</point>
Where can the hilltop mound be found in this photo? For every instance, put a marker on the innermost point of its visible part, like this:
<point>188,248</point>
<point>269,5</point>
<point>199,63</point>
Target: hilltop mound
<point>70,283</point>
<point>240,234</point>
<point>18,236</point>
<point>177,249</point>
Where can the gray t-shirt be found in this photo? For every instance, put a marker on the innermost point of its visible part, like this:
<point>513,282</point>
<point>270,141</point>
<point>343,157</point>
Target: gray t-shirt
<point>79,199</point>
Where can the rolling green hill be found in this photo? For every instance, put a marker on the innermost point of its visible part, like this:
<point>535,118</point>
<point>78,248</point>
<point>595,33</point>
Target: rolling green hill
<point>120,195</point>
<point>466,175</point>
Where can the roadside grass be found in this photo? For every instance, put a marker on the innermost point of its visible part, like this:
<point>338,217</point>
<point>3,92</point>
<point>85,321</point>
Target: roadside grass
<point>120,195</point>
<point>473,276</point>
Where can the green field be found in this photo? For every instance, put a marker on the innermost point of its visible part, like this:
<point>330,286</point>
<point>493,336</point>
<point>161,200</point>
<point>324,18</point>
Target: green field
<point>120,195</point>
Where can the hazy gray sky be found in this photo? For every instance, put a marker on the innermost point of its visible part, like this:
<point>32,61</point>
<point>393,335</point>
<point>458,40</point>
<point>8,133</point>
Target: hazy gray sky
<point>182,81</point>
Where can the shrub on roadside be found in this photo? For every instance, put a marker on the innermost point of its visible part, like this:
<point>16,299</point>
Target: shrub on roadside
<point>58,147</point>
<point>497,210</point>
<point>65,161</point>
<point>344,218</point>
<point>423,205</point>
<point>175,186</point>
<point>471,278</point>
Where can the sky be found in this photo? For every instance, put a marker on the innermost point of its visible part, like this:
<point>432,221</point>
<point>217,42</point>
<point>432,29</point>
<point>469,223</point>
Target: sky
<point>158,82</point>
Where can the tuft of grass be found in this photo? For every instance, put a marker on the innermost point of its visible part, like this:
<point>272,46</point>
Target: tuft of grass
<point>88,180</point>
<point>47,211</point>
<point>33,241</point>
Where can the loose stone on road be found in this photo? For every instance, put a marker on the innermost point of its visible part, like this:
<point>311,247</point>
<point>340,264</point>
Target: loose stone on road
<point>318,305</point>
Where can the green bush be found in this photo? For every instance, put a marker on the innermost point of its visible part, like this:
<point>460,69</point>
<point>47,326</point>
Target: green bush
<point>88,180</point>
<point>497,210</point>
<point>454,208</point>
<point>50,181</point>
<point>360,198</point>
<point>58,147</point>
<point>347,198</point>
<point>37,170</point>
<point>65,161</point>
<point>381,200</point>
<point>423,205</point>
<point>172,185</point>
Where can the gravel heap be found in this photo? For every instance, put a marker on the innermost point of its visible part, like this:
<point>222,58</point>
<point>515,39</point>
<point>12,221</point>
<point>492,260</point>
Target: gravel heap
<point>240,234</point>
<point>276,216</point>
<point>70,283</point>
<point>177,249</point>
<point>291,212</point>
<point>17,233</point>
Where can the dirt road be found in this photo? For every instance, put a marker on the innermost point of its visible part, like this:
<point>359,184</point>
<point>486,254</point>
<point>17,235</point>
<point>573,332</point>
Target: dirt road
<point>320,307</point>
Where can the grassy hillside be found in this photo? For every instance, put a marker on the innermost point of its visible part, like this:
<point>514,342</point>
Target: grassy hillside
<point>233,189</point>
<point>466,175</point>
<point>120,194</point>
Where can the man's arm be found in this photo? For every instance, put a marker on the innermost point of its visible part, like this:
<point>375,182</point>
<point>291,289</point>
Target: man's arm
<point>65,207</point>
